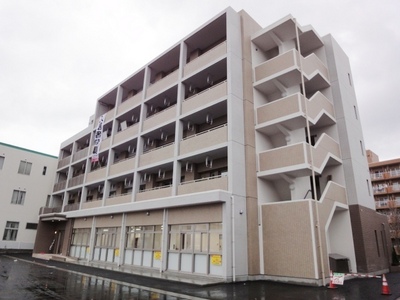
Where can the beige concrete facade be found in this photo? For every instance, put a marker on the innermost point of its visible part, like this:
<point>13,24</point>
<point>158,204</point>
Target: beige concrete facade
<point>228,156</point>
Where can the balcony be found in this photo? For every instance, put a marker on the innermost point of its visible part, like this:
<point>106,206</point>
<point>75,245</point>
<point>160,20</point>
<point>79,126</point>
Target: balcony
<point>290,112</point>
<point>105,144</point>
<point>60,186</point>
<point>130,103</point>
<point>71,207</point>
<point>205,139</point>
<point>161,117</point>
<point>334,192</point>
<point>77,180</point>
<point>203,185</point>
<point>119,199</point>
<point>156,155</point>
<point>63,162</point>
<point>205,59</point>
<point>80,154</point>
<point>286,69</point>
<point>122,166</point>
<point>162,84</point>
<point>49,210</point>
<point>295,159</point>
<point>154,193</point>
<point>96,175</point>
<point>126,134</point>
<point>203,98</point>
<point>91,204</point>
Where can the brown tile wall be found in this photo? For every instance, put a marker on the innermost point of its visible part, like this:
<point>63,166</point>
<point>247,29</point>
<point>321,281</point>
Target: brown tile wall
<point>372,254</point>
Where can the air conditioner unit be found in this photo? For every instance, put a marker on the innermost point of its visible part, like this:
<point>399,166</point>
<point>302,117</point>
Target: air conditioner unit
<point>150,141</point>
<point>146,177</point>
<point>209,162</point>
<point>210,81</point>
<point>164,136</point>
<point>167,102</point>
<point>209,119</point>
<point>190,126</point>
<point>189,167</point>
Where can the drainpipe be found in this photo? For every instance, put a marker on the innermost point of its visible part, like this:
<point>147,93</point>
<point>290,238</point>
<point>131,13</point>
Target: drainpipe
<point>233,239</point>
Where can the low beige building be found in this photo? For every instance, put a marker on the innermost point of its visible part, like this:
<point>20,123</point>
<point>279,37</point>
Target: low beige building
<point>237,154</point>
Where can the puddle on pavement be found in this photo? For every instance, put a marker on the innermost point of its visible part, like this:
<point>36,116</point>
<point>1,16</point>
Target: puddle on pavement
<point>22,280</point>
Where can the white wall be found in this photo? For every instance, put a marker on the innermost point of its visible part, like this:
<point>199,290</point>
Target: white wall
<point>349,126</point>
<point>36,185</point>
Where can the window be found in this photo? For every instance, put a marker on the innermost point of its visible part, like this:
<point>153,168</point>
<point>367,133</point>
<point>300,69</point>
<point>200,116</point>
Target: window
<point>31,226</point>
<point>18,197</point>
<point>197,238</point>
<point>10,232</point>
<point>355,112</point>
<point>2,158</point>
<point>25,167</point>
<point>80,237</point>
<point>362,148</point>
<point>44,170</point>
<point>144,237</point>
<point>107,237</point>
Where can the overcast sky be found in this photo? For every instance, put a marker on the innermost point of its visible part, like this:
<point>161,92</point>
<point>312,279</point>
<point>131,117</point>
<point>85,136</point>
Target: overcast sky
<point>57,57</point>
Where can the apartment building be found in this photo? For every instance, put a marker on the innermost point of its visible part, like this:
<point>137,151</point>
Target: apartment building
<point>26,183</point>
<point>385,178</point>
<point>235,155</point>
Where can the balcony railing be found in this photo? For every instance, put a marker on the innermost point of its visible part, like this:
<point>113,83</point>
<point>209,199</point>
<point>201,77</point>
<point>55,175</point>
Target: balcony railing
<point>204,97</point>
<point>122,166</point>
<point>126,134</point>
<point>63,162</point>
<point>204,139</point>
<point>160,117</point>
<point>154,193</point>
<point>296,157</point>
<point>162,84</point>
<point>80,154</point>
<point>119,199</point>
<point>157,154</point>
<point>91,204</point>
<point>60,186</point>
<point>49,210</point>
<point>98,174</point>
<point>130,103</point>
<point>77,180</point>
<point>286,67</point>
<point>71,207</point>
<point>205,58</point>
<point>219,182</point>
<point>385,175</point>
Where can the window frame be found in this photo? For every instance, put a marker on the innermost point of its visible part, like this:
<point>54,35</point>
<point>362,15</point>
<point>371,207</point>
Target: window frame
<point>11,231</point>
<point>18,197</point>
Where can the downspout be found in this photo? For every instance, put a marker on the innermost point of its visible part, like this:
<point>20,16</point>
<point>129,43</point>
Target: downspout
<point>311,156</point>
<point>233,239</point>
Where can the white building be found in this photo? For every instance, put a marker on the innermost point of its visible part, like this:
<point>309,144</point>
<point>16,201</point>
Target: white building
<point>26,181</point>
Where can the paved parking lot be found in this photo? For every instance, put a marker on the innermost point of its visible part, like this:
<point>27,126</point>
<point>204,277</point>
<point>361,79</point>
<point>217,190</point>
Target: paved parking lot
<point>25,278</point>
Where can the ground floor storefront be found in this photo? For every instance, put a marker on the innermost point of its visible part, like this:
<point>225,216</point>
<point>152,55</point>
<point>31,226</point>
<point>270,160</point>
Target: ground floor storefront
<point>186,240</point>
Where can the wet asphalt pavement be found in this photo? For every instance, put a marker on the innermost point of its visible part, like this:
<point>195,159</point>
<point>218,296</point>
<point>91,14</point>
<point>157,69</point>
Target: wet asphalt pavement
<point>22,277</point>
